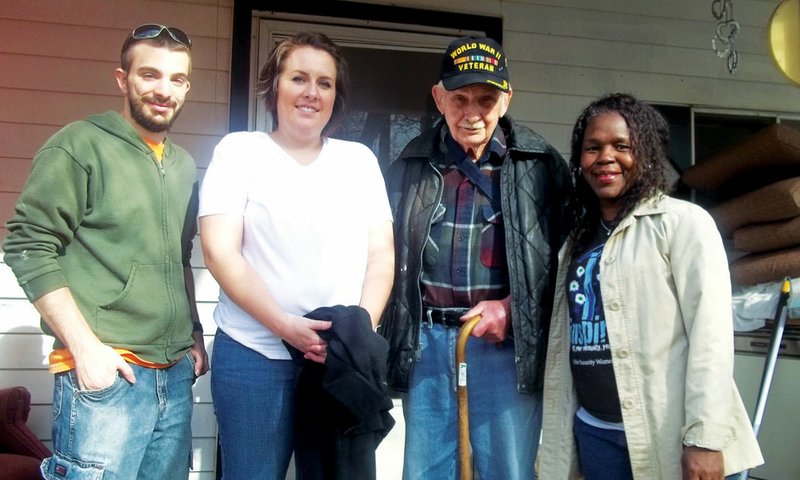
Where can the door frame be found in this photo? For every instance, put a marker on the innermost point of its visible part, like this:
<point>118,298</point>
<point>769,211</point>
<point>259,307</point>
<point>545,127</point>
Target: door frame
<point>245,36</point>
<point>358,34</point>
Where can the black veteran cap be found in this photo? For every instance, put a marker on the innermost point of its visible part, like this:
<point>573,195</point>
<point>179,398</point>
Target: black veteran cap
<point>471,60</point>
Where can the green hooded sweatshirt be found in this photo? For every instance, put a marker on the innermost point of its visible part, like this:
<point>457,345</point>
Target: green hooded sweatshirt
<point>101,216</point>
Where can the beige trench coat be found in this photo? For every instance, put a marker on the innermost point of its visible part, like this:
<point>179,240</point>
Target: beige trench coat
<point>667,300</point>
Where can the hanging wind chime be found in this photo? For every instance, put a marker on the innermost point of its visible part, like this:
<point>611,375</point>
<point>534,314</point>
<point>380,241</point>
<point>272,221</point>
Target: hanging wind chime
<point>724,40</point>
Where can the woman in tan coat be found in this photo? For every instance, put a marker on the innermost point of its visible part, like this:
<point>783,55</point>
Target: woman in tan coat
<point>639,380</point>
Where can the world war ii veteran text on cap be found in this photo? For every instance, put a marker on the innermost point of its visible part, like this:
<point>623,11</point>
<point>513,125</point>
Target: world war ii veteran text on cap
<point>471,60</point>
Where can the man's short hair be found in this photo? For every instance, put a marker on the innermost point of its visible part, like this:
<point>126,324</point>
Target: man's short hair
<point>170,38</point>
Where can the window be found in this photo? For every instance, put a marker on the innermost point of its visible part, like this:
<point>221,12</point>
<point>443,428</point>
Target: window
<point>696,134</point>
<point>715,131</point>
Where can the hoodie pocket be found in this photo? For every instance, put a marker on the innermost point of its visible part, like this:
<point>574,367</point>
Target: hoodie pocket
<point>138,315</point>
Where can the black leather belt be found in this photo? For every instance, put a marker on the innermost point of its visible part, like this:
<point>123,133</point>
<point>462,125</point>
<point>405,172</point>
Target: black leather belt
<point>447,318</point>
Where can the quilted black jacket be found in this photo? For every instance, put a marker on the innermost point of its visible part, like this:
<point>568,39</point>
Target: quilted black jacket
<point>535,186</point>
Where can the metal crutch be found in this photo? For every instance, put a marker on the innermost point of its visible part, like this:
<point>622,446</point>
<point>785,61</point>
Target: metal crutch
<point>772,355</point>
<point>464,449</point>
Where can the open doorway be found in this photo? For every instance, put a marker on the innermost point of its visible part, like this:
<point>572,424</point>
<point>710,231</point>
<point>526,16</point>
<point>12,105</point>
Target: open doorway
<point>391,74</point>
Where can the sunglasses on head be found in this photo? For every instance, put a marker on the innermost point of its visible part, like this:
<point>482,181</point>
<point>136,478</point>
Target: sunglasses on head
<point>153,30</point>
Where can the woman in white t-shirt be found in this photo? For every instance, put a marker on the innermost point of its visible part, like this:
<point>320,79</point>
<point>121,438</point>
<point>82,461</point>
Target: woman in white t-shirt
<point>290,220</point>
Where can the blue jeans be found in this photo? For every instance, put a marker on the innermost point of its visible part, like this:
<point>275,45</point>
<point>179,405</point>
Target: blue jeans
<point>504,424</point>
<point>254,403</point>
<point>124,431</point>
<point>602,453</point>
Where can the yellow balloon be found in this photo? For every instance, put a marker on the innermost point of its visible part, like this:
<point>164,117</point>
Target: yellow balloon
<point>784,39</point>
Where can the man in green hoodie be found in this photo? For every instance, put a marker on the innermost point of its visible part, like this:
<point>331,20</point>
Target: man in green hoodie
<point>100,243</point>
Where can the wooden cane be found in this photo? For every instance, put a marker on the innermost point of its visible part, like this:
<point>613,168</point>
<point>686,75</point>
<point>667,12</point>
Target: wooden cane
<point>464,449</point>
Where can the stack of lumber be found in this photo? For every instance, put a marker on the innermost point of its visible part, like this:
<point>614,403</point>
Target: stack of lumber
<point>762,218</point>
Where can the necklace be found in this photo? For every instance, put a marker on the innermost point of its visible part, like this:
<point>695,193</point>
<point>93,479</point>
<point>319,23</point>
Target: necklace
<point>606,227</point>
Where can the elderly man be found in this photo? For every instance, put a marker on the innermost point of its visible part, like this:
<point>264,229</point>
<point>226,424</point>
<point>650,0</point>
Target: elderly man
<point>100,243</point>
<point>478,205</point>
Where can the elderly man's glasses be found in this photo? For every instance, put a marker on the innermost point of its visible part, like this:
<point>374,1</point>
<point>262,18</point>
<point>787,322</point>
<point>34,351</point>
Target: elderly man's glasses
<point>153,30</point>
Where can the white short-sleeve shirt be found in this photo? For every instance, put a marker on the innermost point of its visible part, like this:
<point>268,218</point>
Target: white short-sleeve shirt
<point>305,226</point>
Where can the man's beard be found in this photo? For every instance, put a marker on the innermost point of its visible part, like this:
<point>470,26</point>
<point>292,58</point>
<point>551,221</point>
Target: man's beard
<point>151,124</point>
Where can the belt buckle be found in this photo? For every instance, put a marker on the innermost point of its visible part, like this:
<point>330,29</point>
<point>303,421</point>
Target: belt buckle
<point>429,314</point>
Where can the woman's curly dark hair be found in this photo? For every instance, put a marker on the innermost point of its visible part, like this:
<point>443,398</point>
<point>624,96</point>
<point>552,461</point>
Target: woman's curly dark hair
<point>649,134</point>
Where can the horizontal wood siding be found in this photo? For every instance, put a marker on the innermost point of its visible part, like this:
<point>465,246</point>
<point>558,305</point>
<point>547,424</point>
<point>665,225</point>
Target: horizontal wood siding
<point>565,53</point>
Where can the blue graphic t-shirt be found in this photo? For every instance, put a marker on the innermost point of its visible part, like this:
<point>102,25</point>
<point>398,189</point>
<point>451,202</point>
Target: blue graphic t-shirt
<point>590,353</point>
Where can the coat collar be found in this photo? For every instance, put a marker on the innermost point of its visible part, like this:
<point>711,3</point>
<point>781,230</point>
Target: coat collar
<point>654,205</point>
<point>518,140</point>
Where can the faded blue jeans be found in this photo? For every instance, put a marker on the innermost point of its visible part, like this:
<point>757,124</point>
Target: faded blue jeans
<point>254,403</point>
<point>125,431</point>
<point>504,424</point>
